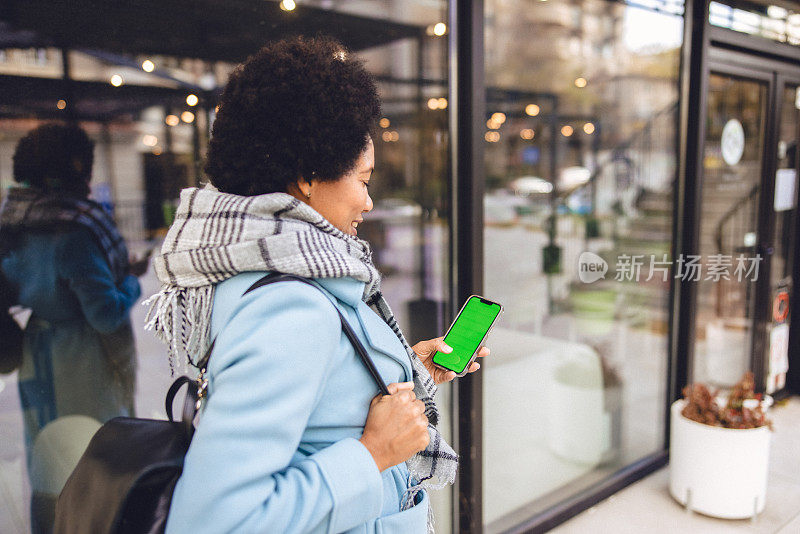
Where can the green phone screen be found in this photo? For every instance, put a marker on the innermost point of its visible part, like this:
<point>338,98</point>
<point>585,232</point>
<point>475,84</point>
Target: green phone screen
<point>466,333</point>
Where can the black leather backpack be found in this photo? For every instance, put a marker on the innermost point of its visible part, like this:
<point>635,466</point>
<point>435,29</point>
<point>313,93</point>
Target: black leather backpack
<point>123,483</point>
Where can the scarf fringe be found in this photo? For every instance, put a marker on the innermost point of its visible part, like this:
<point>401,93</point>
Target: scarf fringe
<point>179,317</point>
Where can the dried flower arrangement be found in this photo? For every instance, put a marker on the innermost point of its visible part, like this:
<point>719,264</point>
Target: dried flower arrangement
<point>702,406</point>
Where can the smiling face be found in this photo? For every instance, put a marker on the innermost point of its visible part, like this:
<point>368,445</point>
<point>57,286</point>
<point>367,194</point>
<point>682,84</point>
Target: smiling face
<point>344,201</point>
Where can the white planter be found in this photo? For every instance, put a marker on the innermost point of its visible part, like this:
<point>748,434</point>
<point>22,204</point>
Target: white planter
<point>721,472</point>
<point>579,427</point>
<point>727,354</point>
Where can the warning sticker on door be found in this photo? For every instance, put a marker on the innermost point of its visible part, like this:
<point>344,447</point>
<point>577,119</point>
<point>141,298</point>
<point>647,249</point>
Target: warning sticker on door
<point>778,357</point>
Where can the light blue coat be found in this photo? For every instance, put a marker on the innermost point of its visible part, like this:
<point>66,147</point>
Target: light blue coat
<point>276,448</point>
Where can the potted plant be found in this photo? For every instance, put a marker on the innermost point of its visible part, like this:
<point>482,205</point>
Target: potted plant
<point>719,451</point>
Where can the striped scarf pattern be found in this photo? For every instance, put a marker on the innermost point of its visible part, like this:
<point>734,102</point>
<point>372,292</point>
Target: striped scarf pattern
<point>27,208</point>
<point>218,235</point>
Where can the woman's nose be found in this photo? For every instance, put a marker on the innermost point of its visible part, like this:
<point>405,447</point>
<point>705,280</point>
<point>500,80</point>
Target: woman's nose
<point>369,204</point>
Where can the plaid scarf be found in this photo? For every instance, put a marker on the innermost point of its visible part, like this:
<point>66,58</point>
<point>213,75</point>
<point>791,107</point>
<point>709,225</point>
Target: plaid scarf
<point>218,235</point>
<point>27,208</point>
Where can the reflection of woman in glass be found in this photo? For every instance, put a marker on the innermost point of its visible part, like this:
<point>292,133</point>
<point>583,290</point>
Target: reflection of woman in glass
<point>69,265</point>
<point>292,437</point>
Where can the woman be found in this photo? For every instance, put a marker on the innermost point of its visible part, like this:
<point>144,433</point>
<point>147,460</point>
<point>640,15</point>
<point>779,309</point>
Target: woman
<point>292,437</point>
<point>66,262</point>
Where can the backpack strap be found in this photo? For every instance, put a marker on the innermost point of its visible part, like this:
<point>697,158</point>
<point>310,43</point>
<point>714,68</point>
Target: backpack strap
<point>197,388</point>
<point>348,330</point>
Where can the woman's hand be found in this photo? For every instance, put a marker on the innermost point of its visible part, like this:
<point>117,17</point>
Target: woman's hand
<point>396,426</point>
<point>138,266</point>
<point>426,349</point>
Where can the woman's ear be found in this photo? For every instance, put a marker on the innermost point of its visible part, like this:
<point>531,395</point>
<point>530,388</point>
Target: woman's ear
<point>301,189</point>
<point>304,186</point>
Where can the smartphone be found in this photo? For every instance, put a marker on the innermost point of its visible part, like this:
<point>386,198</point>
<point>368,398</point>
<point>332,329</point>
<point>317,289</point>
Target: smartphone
<point>465,335</point>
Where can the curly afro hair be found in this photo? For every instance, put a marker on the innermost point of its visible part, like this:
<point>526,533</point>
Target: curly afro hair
<point>55,158</point>
<point>297,108</point>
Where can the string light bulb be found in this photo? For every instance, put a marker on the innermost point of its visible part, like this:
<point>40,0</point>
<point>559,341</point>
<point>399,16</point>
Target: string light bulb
<point>532,110</point>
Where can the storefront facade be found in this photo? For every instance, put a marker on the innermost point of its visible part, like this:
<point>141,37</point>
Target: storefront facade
<point>620,175</point>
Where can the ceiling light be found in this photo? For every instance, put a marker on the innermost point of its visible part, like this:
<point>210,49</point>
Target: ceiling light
<point>532,110</point>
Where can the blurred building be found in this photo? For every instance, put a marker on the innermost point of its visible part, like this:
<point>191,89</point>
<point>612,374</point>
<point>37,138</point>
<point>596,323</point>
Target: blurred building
<point>521,140</point>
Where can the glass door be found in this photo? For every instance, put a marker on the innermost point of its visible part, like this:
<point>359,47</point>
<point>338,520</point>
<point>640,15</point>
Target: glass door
<point>744,264</point>
<point>727,265</point>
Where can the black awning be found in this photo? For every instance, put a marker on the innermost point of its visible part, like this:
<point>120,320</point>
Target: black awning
<point>24,96</point>
<point>216,30</point>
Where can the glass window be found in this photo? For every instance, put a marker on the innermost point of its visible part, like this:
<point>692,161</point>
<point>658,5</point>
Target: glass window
<point>581,124</point>
<point>779,23</point>
<point>147,98</point>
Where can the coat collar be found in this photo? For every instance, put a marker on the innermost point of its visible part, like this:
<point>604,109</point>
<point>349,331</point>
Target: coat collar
<point>348,290</point>
<point>378,334</point>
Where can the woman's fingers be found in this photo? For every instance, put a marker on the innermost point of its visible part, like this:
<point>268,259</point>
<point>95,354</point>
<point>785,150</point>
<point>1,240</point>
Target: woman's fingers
<point>484,351</point>
<point>426,348</point>
<point>394,387</point>
<point>441,346</point>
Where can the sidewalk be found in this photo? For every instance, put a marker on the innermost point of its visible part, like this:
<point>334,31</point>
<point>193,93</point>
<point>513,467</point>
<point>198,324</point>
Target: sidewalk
<point>646,506</point>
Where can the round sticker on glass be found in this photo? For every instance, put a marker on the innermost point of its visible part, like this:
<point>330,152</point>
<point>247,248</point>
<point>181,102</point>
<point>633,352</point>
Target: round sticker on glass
<point>732,142</point>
